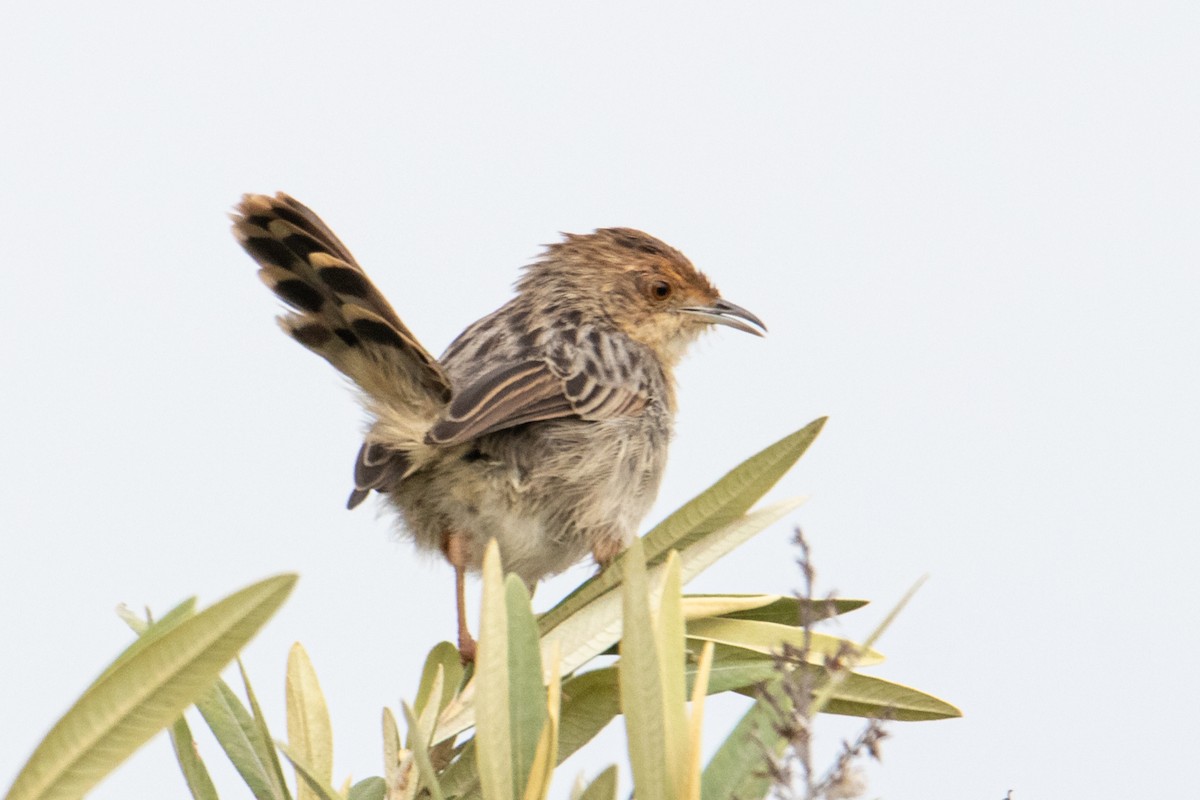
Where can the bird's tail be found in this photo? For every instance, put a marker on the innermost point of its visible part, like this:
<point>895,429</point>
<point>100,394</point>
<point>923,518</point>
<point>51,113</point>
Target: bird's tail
<point>335,309</point>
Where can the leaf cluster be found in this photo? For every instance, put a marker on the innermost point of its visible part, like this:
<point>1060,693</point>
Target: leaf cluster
<point>538,692</point>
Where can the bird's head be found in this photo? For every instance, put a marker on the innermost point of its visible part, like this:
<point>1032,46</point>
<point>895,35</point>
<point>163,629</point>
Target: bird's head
<point>646,288</point>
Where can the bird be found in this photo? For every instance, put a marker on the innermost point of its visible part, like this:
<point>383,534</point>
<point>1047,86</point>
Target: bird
<point>544,425</point>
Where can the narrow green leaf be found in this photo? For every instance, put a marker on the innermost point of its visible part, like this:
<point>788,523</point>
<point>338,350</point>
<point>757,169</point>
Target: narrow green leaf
<point>691,772</point>
<point>310,736</point>
<point>461,778</point>
<point>240,738</point>
<point>762,608</point>
<point>145,693</point>
<point>373,788</point>
<point>736,770</point>
<point>264,741</point>
<point>420,737</point>
<point>309,780</point>
<point>591,700</point>
<point>260,755</point>
<point>392,768</point>
<point>493,727</point>
<point>858,657</point>
<point>702,553</point>
<point>134,620</point>
<point>731,496</point>
<point>714,508</point>
<point>199,783</point>
<point>516,683</point>
<point>545,759</point>
<point>767,638</point>
<point>702,606</point>
<point>596,626</point>
<point>641,684</point>
<point>428,717</point>
<point>869,697</point>
<point>604,787</point>
<point>791,610</point>
<point>447,657</point>
<point>148,632</point>
<point>668,640</point>
<point>734,668</point>
<point>526,693</point>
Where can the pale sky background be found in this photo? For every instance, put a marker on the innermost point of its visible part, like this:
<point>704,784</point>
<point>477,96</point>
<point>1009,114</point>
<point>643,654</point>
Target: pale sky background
<point>971,227</point>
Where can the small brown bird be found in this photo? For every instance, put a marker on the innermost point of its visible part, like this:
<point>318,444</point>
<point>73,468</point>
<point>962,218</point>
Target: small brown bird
<point>544,425</point>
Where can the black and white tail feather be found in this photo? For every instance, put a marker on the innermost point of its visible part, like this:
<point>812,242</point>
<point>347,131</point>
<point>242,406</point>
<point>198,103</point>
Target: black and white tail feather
<point>336,312</point>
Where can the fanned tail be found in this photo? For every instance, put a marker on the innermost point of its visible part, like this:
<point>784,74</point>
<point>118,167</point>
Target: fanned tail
<point>339,314</point>
<point>336,311</point>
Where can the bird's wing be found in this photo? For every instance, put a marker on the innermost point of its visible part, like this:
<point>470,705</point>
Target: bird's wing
<point>538,389</point>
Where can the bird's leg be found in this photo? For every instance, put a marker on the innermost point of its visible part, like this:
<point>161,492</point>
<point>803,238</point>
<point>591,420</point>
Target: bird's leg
<point>455,548</point>
<point>466,642</point>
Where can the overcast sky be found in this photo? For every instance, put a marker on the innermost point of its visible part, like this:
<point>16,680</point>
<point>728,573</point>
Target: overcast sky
<point>971,228</point>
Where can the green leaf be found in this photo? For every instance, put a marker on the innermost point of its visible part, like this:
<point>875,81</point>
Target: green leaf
<point>790,610</point>
<point>822,696</point>
<point>669,642</point>
<point>770,608</point>
<point>194,773</point>
<point>241,739</point>
<point>145,692</point>
<point>264,740</point>
<point>736,769</point>
<point>310,736</point>
<point>690,773</point>
<point>447,657</point>
<point>596,626</point>
<point>702,553</point>
<point>307,776</point>
<point>641,685</point>
<point>428,718</point>
<point>870,697</point>
<point>420,738</point>
<point>461,778</point>
<point>719,505</point>
<point>526,692</point>
<point>493,728</point>
<point>858,695</point>
<point>511,696</point>
<point>393,770</point>
<point>768,638</point>
<point>604,787</point>
<point>591,700</point>
<point>734,668</point>
<point>373,788</point>
<point>148,632</point>
<point>702,606</point>
<point>731,496</point>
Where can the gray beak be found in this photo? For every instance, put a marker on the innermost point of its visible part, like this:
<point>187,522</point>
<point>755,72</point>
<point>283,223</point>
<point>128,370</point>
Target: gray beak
<point>724,312</point>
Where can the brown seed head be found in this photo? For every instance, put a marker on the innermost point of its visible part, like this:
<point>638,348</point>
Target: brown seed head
<point>644,287</point>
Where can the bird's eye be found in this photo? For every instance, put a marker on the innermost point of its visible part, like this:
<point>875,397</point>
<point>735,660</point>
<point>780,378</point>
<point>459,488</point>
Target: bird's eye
<point>660,290</point>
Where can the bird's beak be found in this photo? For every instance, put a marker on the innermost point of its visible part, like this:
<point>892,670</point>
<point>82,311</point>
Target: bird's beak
<point>723,312</point>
